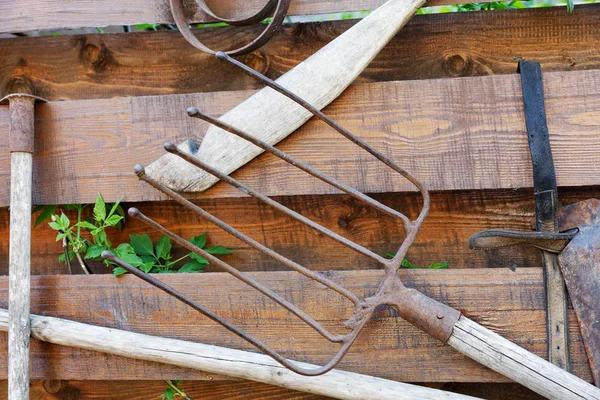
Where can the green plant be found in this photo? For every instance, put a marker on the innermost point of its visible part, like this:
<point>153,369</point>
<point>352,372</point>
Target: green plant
<point>407,264</point>
<point>174,391</point>
<point>140,252</point>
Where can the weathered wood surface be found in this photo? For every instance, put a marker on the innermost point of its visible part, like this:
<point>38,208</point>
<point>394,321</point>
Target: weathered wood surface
<point>511,360</point>
<point>153,63</point>
<point>465,133</point>
<point>227,390</point>
<point>42,14</point>
<point>510,303</point>
<point>453,218</point>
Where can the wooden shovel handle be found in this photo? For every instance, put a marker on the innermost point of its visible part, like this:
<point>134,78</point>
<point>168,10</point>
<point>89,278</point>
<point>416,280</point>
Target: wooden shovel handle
<point>518,364</point>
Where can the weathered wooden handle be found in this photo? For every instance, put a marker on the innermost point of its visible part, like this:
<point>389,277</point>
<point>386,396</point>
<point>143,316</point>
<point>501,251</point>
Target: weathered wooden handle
<point>19,264</point>
<point>270,116</point>
<point>516,363</point>
<point>235,363</point>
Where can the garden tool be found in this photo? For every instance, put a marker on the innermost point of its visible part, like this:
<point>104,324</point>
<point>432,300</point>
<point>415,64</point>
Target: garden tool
<point>568,237</point>
<point>319,80</point>
<point>438,320</point>
<point>21,139</point>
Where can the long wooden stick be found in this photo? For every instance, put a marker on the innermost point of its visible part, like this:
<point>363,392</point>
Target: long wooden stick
<point>235,363</point>
<point>21,180</point>
<point>272,117</point>
<point>505,357</point>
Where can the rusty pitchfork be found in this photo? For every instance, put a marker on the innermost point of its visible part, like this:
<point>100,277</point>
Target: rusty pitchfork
<point>438,320</point>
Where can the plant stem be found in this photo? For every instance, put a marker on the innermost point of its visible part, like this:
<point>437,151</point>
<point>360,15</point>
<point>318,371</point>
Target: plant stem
<point>178,390</point>
<point>82,263</point>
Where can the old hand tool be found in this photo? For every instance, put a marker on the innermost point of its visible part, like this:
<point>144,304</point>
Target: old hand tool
<point>578,248</point>
<point>438,320</point>
<point>572,231</point>
<point>319,80</point>
<point>21,116</point>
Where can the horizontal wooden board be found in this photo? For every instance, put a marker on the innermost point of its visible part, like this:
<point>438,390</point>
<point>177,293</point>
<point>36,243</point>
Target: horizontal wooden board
<point>454,217</point>
<point>44,14</point>
<point>508,302</point>
<point>226,390</point>
<point>153,63</point>
<point>464,133</point>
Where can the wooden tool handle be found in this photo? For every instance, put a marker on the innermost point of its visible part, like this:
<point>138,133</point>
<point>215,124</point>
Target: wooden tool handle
<point>270,116</point>
<point>240,364</point>
<point>505,357</point>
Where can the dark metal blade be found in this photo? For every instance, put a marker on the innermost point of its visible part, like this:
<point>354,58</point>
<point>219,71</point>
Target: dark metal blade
<point>580,265</point>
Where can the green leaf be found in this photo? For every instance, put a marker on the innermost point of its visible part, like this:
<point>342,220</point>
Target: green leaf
<point>101,238</point>
<point>72,207</point>
<point>94,251</point>
<point>99,209</point>
<point>142,245</point>
<point>114,208</point>
<point>199,241</point>
<point>113,220</point>
<point>192,266</point>
<point>125,248</point>
<point>198,258</point>
<point>439,265</point>
<point>407,264</point>
<point>119,271</point>
<point>86,225</point>
<point>55,226</point>
<point>147,266</point>
<point>130,259</point>
<point>218,250</point>
<point>163,248</point>
<point>60,236</point>
<point>64,221</point>
<point>47,212</point>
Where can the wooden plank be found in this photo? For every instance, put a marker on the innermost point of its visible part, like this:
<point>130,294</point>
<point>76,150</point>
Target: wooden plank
<point>153,63</point>
<point>44,14</point>
<point>453,134</point>
<point>227,390</point>
<point>510,303</point>
<point>453,218</point>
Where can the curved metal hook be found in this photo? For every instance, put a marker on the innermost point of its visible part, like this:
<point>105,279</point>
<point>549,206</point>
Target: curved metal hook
<point>281,7</point>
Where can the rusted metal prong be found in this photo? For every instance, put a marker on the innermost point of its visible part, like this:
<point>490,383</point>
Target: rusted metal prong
<point>173,149</point>
<point>107,255</point>
<point>139,171</point>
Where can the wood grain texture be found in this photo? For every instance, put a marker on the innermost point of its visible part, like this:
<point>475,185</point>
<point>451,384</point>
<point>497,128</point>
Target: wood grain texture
<point>511,360</point>
<point>153,63</point>
<point>440,130</point>
<point>228,390</point>
<point>509,303</point>
<point>19,270</point>
<point>44,14</point>
<point>453,218</point>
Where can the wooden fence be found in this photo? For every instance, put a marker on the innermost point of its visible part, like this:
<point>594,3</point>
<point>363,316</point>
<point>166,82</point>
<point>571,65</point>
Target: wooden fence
<point>442,99</point>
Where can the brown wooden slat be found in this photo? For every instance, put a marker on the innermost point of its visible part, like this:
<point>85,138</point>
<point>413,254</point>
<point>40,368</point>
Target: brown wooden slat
<point>44,14</point>
<point>226,390</point>
<point>508,302</point>
<point>453,134</point>
<point>135,64</point>
<point>454,217</point>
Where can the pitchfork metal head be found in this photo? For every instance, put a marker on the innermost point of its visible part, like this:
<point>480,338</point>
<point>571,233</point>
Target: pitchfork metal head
<point>413,306</point>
